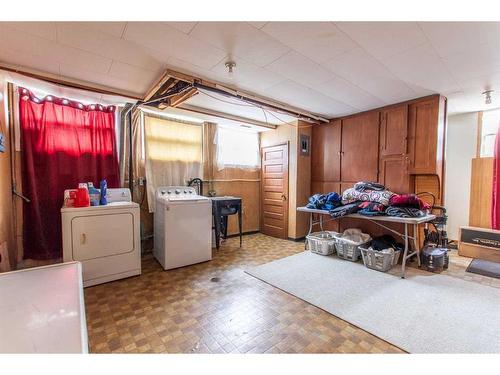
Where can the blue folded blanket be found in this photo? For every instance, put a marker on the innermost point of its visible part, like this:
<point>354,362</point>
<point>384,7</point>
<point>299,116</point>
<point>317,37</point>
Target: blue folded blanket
<point>325,201</point>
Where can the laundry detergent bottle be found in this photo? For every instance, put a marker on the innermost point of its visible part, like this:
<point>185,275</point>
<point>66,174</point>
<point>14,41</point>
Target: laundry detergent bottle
<point>95,194</point>
<point>82,196</point>
<point>104,188</point>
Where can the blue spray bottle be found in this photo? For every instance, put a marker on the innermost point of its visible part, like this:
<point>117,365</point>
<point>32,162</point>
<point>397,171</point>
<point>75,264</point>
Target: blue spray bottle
<point>104,188</point>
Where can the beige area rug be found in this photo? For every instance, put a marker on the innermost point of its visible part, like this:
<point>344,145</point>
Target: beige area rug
<point>424,313</point>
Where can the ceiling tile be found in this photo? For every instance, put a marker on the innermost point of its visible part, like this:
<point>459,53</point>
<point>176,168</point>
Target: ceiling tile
<point>299,96</point>
<point>30,61</point>
<point>112,28</point>
<point>421,66</point>
<point>461,37</point>
<point>189,68</point>
<point>345,92</point>
<point>320,41</point>
<point>484,60</point>
<point>166,42</point>
<point>134,74</point>
<point>300,69</point>
<point>482,83</point>
<point>384,39</point>
<point>45,30</point>
<point>258,24</point>
<point>247,76</point>
<point>366,72</point>
<point>185,27</point>
<point>76,72</point>
<point>76,34</point>
<point>47,49</point>
<point>240,39</point>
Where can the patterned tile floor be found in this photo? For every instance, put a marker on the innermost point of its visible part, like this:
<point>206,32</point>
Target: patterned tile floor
<point>215,307</point>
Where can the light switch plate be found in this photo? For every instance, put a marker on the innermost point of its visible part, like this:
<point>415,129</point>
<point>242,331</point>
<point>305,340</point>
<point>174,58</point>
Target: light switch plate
<point>2,142</point>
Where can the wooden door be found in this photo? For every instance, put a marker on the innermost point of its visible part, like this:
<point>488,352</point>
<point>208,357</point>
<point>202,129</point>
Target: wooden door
<point>326,148</point>
<point>359,155</point>
<point>394,131</point>
<point>274,191</point>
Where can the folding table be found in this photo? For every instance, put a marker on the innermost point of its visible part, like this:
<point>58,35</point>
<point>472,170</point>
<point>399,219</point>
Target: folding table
<point>378,220</point>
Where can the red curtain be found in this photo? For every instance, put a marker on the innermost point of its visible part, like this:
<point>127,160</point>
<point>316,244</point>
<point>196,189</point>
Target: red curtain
<point>495,207</point>
<point>63,143</point>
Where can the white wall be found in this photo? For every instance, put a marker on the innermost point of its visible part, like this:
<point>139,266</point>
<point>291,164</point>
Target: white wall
<point>460,150</point>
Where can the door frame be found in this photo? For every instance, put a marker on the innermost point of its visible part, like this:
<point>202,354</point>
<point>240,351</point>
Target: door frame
<point>286,174</point>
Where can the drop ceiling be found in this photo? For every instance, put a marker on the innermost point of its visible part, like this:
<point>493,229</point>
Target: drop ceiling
<point>328,68</point>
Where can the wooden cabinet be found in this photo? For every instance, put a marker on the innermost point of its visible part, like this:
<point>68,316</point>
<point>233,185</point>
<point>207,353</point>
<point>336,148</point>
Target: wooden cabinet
<point>426,136</point>
<point>397,146</point>
<point>325,158</point>
<point>394,131</point>
<point>394,174</point>
<point>393,164</point>
<point>359,155</point>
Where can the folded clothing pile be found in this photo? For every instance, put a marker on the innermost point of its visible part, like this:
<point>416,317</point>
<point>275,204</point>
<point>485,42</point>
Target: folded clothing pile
<point>408,200</point>
<point>363,193</point>
<point>385,243</point>
<point>324,201</point>
<point>345,209</point>
<point>363,185</point>
<point>406,205</point>
<point>371,209</point>
<point>354,236</point>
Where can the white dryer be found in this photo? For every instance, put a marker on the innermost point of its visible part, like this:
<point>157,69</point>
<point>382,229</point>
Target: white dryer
<point>182,227</point>
<point>105,239</point>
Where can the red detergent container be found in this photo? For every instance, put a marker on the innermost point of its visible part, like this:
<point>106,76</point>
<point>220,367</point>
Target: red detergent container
<point>82,196</point>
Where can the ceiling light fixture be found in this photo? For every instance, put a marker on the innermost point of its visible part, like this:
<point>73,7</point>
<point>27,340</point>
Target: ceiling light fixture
<point>487,96</point>
<point>230,65</point>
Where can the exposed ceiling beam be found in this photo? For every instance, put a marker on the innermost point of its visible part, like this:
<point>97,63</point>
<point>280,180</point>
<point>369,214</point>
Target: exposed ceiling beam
<point>182,97</point>
<point>227,116</point>
<point>244,96</point>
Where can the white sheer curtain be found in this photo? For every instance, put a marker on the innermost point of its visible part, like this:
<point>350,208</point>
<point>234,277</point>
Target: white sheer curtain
<point>173,153</point>
<point>237,148</point>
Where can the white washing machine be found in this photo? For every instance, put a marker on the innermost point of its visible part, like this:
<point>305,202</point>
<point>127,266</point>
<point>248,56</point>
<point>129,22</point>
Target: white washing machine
<point>183,227</point>
<point>105,239</point>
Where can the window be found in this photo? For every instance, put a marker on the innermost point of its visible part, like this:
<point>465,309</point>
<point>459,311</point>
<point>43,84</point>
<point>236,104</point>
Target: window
<point>173,153</point>
<point>237,148</point>
<point>490,123</point>
<point>172,140</point>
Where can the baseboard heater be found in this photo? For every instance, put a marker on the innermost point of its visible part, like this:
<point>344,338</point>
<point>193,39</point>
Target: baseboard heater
<point>479,243</point>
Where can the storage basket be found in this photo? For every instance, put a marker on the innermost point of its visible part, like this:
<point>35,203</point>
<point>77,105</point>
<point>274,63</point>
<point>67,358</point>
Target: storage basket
<point>348,250</point>
<point>322,243</point>
<point>376,260</point>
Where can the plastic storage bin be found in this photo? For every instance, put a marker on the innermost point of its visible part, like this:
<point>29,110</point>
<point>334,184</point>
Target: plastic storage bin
<point>377,260</point>
<point>322,243</point>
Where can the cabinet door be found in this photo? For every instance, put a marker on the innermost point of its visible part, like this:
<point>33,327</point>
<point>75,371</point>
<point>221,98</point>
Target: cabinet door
<point>332,142</point>
<point>317,152</point>
<point>394,175</point>
<point>423,136</point>
<point>360,146</point>
<point>325,158</point>
<point>394,131</point>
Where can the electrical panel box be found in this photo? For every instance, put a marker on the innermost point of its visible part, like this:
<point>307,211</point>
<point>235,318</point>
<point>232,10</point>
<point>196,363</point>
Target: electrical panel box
<point>2,142</point>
